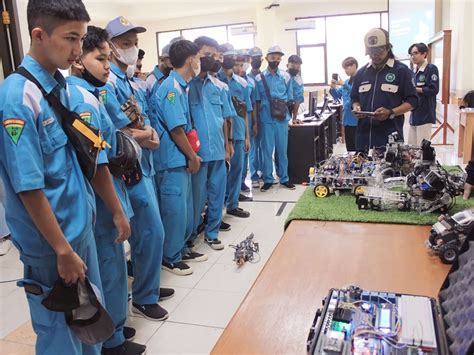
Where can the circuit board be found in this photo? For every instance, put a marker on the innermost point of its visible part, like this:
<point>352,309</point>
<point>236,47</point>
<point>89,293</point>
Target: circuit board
<point>374,323</point>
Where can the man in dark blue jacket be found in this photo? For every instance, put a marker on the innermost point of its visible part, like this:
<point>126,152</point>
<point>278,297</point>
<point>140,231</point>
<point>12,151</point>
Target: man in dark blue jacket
<point>427,87</point>
<point>383,91</point>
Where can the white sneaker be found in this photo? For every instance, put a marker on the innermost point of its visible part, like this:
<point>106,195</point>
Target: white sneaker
<point>255,184</point>
<point>5,246</point>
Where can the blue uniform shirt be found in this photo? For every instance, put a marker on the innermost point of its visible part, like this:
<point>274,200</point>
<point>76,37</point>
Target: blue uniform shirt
<point>119,89</point>
<point>153,81</point>
<point>84,99</point>
<point>171,102</point>
<point>209,105</point>
<point>239,88</point>
<point>298,88</point>
<point>35,155</point>
<point>388,87</point>
<point>426,78</point>
<point>344,92</point>
<point>280,87</point>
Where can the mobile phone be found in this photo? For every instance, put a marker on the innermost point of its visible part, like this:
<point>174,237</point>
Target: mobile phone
<point>335,76</point>
<point>367,113</point>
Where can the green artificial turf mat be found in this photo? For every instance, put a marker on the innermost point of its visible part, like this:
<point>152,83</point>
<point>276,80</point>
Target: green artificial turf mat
<point>344,208</point>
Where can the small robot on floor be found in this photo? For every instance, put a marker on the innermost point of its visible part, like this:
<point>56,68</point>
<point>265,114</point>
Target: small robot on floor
<point>245,251</point>
<point>449,233</point>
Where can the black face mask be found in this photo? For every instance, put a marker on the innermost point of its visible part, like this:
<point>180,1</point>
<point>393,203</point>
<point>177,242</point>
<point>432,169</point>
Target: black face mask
<point>216,67</point>
<point>256,64</point>
<point>293,72</point>
<point>228,63</point>
<point>207,63</point>
<point>167,71</point>
<point>91,79</point>
<point>273,65</point>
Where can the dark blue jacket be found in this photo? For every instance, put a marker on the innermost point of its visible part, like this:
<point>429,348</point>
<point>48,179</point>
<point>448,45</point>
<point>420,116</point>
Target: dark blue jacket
<point>426,78</point>
<point>388,87</point>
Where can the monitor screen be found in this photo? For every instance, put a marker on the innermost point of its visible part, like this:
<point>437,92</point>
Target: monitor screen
<point>313,102</point>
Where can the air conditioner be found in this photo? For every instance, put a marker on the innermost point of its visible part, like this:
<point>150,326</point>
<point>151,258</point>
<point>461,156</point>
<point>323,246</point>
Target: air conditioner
<point>244,30</point>
<point>300,25</point>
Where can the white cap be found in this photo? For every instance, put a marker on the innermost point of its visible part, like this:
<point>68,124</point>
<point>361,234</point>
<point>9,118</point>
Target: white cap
<point>275,50</point>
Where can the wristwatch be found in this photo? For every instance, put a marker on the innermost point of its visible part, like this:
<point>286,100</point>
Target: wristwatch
<point>391,115</point>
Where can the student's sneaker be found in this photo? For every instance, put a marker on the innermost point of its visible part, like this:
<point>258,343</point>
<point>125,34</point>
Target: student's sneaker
<point>266,186</point>
<point>215,244</point>
<point>166,293</point>
<point>244,187</point>
<point>255,184</point>
<point>129,269</point>
<point>129,333</point>
<point>178,268</point>
<point>200,228</point>
<point>193,256</point>
<point>288,185</point>
<point>239,212</point>
<point>243,198</point>
<point>190,244</point>
<point>150,311</point>
<point>127,348</point>
<point>224,227</point>
<point>5,245</point>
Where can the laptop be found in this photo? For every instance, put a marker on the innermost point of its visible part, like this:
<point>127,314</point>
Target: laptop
<point>357,321</point>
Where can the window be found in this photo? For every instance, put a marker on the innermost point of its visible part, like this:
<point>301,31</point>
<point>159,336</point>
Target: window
<point>222,34</point>
<point>334,39</point>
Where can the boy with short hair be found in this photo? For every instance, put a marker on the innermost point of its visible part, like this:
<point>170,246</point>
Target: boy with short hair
<point>86,84</point>
<point>51,204</point>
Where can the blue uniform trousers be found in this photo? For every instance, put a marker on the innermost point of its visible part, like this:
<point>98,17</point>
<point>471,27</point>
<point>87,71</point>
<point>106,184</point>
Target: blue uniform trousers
<point>175,198</point>
<point>275,137</point>
<point>146,242</point>
<point>53,334</point>
<point>209,184</point>
<point>234,178</point>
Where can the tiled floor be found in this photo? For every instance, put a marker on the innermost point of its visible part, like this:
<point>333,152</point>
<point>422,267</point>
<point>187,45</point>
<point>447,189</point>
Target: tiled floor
<point>204,302</point>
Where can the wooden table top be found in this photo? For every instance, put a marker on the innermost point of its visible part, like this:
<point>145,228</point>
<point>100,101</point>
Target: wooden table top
<point>314,256</point>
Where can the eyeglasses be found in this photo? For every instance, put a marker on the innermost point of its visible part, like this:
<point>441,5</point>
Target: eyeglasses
<point>412,54</point>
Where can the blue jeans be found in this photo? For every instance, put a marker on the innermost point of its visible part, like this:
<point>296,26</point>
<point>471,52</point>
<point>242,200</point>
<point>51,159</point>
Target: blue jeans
<point>275,137</point>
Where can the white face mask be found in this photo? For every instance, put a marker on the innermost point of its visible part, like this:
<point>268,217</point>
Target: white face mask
<point>246,67</point>
<point>127,56</point>
<point>131,70</point>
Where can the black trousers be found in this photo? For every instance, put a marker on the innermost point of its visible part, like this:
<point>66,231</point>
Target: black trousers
<point>350,137</point>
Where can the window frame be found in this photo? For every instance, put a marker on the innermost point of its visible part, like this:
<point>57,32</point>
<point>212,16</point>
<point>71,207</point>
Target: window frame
<point>180,30</point>
<point>325,38</point>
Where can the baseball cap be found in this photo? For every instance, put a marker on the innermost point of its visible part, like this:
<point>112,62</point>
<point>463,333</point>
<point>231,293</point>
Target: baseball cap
<point>243,52</point>
<point>229,49</point>
<point>120,25</point>
<point>376,37</point>
<point>165,52</point>
<point>90,322</point>
<point>256,52</point>
<point>275,50</point>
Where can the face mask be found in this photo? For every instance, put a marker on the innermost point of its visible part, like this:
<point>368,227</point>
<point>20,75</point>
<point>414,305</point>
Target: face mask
<point>167,71</point>
<point>91,79</point>
<point>207,63</point>
<point>228,63</point>
<point>245,67</point>
<point>216,67</point>
<point>273,65</point>
<point>130,71</point>
<point>127,56</point>
<point>256,64</point>
<point>293,72</point>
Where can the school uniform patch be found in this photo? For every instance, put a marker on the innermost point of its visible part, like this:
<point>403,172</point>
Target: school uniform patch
<point>14,128</point>
<point>421,77</point>
<point>171,97</point>
<point>103,97</point>
<point>86,116</point>
<point>390,77</point>
<point>434,77</point>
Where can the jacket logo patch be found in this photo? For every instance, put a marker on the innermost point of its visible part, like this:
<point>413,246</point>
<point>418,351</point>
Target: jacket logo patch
<point>390,78</point>
<point>421,77</point>
<point>14,128</point>
<point>434,77</point>
<point>86,116</point>
<point>171,97</point>
<point>103,97</point>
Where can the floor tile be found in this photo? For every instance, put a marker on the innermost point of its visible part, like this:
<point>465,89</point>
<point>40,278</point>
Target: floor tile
<point>144,327</point>
<point>173,338</point>
<point>10,348</point>
<point>13,307</point>
<point>11,259</point>
<point>169,279</point>
<point>23,334</point>
<point>208,308</point>
<point>9,274</point>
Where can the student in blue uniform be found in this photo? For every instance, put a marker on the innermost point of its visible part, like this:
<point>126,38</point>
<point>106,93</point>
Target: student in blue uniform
<point>294,69</point>
<point>385,86</point>
<point>89,76</point>
<point>255,156</point>
<point>349,121</point>
<point>125,107</point>
<point>51,204</point>
<point>160,72</point>
<point>241,101</point>
<point>427,87</point>
<point>176,157</point>
<point>208,106</point>
<point>274,130</point>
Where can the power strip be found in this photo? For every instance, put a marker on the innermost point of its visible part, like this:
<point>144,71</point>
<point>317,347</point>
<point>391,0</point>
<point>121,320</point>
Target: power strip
<point>416,314</point>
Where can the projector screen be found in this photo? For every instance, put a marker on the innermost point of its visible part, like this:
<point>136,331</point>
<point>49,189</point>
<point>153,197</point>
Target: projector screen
<point>410,22</point>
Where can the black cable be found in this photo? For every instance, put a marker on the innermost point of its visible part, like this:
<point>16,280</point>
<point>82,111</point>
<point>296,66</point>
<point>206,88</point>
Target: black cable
<point>8,281</point>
